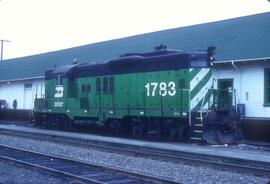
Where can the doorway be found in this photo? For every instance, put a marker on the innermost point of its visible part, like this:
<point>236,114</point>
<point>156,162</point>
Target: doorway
<point>225,94</point>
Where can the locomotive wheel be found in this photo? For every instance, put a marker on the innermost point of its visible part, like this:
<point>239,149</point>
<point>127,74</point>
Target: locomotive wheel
<point>153,129</point>
<point>68,124</point>
<point>38,120</point>
<point>61,122</point>
<point>169,129</point>
<point>113,126</point>
<point>180,133</point>
<point>57,122</point>
<point>137,128</point>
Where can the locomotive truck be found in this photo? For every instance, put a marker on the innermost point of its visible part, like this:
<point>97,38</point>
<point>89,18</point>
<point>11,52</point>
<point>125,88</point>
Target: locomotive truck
<point>160,94</point>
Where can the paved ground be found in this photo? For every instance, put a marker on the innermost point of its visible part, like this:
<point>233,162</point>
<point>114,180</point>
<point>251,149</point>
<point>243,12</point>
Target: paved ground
<point>211,150</point>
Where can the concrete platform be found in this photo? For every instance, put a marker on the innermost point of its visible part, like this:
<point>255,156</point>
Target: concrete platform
<point>250,126</point>
<point>210,150</point>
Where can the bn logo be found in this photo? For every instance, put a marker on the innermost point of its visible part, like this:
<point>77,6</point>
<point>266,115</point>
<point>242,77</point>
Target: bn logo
<point>59,92</point>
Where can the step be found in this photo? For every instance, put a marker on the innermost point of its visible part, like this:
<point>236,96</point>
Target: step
<point>198,125</point>
<point>202,111</point>
<point>197,129</point>
<point>200,118</point>
<point>196,138</point>
<point>196,133</point>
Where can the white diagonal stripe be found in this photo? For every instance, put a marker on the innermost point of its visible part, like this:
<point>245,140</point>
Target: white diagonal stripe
<point>194,82</point>
<point>196,99</point>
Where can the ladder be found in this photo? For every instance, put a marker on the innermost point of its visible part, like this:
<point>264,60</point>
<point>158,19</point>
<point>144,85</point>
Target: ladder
<point>196,128</point>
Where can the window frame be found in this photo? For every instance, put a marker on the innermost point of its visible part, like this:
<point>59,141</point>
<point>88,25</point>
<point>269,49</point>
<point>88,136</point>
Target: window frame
<point>266,99</point>
<point>28,85</point>
<point>59,80</point>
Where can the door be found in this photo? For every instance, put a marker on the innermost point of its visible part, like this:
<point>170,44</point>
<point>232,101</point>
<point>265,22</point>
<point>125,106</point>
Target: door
<point>107,99</point>
<point>104,100</point>
<point>28,99</point>
<point>28,96</point>
<point>225,93</point>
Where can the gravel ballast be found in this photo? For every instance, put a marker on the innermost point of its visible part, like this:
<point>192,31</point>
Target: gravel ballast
<point>182,173</point>
<point>10,173</point>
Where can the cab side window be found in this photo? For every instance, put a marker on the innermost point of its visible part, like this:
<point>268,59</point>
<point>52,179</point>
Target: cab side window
<point>98,85</point>
<point>105,85</point>
<point>111,84</point>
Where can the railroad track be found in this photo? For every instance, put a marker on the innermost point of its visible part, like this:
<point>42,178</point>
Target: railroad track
<point>264,146</point>
<point>219,162</point>
<point>74,170</point>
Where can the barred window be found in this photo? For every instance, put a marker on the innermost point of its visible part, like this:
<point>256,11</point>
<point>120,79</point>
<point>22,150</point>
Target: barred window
<point>28,85</point>
<point>267,87</point>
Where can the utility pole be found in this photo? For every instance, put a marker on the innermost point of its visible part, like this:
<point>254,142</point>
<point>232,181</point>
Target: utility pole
<point>2,48</point>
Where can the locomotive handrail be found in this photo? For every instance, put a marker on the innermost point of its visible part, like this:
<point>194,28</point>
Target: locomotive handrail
<point>202,108</point>
<point>189,106</point>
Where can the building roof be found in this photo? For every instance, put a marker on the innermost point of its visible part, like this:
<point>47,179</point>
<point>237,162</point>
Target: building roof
<point>235,39</point>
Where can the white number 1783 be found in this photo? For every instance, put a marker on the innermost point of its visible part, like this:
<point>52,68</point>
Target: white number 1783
<point>162,88</point>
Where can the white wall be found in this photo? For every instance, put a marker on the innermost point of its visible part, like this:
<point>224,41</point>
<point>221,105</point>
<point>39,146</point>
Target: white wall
<point>249,84</point>
<point>248,81</point>
<point>24,96</point>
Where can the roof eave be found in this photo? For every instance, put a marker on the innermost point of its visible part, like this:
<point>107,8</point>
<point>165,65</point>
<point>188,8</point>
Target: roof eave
<point>22,79</point>
<point>242,60</point>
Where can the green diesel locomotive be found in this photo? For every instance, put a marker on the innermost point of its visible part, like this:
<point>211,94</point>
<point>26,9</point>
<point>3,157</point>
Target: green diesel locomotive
<point>164,93</point>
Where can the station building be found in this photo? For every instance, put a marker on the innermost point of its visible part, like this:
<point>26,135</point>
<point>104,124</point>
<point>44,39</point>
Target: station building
<point>242,60</point>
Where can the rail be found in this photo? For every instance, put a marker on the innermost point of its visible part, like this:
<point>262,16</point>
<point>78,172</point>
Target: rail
<point>76,170</point>
<point>218,161</point>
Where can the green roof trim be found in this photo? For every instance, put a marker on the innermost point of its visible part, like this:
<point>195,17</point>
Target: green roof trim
<point>235,39</point>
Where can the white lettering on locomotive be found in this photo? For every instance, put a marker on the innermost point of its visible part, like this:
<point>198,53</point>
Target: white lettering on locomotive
<point>163,88</point>
<point>58,104</point>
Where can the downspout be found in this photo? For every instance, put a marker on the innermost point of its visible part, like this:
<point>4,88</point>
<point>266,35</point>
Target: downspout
<point>240,83</point>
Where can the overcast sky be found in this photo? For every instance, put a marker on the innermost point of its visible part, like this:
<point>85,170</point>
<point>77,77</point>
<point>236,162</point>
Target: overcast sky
<point>38,26</point>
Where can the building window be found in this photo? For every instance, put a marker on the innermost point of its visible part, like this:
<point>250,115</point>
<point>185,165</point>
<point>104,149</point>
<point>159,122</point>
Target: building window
<point>267,87</point>
<point>28,85</point>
